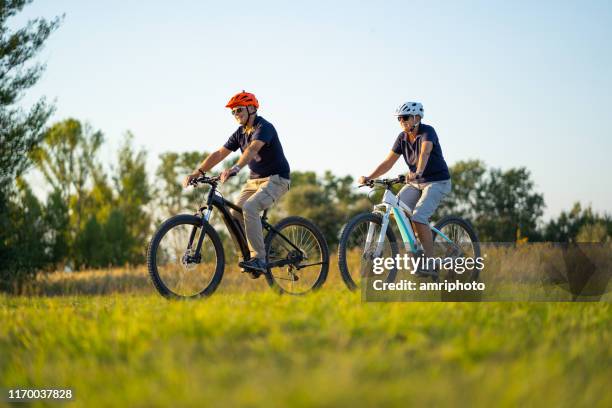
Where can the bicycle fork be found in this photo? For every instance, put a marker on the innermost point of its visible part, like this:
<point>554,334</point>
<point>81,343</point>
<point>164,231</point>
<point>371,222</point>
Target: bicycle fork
<point>408,237</point>
<point>193,255</point>
<point>380,239</point>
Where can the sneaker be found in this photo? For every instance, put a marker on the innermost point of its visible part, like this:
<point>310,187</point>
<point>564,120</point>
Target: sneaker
<point>254,267</point>
<point>426,273</point>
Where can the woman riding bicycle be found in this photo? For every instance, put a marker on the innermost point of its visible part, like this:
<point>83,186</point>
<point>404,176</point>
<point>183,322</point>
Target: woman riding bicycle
<point>428,179</point>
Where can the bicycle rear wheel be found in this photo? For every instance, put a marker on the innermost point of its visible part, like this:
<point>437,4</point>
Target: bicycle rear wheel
<point>176,268</point>
<point>463,244</point>
<point>298,255</point>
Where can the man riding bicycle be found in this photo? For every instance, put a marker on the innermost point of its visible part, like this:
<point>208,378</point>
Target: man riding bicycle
<point>269,178</point>
<point>428,179</point>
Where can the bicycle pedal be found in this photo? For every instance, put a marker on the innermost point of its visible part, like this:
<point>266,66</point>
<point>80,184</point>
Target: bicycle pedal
<point>252,274</point>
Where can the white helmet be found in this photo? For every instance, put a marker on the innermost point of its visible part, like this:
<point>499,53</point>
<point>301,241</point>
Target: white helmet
<point>410,108</point>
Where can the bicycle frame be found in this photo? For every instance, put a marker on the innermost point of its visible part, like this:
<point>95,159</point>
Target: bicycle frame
<point>391,204</point>
<point>234,227</point>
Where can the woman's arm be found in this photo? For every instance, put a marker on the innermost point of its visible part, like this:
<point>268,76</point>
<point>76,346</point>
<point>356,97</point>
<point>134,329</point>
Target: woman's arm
<point>426,148</point>
<point>382,168</point>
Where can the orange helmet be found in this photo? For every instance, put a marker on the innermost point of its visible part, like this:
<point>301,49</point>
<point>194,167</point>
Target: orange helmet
<point>242,99</point>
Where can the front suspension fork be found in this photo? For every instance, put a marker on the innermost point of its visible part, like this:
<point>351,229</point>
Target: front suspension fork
<point>380,239</point>
<point>196,253</point>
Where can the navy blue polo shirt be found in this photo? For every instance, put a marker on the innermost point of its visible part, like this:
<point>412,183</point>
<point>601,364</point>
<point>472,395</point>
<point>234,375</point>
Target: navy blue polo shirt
<point>270,159</point>
<point>436,168</point>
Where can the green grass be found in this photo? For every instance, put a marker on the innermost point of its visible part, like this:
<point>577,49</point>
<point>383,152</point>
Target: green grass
<point>255,348</point>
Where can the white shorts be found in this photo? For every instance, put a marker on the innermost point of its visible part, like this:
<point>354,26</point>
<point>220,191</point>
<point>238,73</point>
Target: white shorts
<point>424,198</point>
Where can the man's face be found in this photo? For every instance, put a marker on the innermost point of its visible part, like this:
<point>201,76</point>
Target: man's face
<point>241,114</point>
<point>407,122</point>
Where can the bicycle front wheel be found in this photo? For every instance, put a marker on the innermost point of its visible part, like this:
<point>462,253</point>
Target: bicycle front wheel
<point>178,270</point>
<point>357,247</point>
<point>297,255</point>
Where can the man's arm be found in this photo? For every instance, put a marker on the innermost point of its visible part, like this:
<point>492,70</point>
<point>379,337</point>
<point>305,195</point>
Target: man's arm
<point>249,153</point>
<point>246,157</point>
<point>208,163</point>
<point>213,159</point>
<point>382,168</point>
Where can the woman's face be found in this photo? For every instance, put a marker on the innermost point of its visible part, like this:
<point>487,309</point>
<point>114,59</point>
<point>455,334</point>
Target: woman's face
<point>407,122</point>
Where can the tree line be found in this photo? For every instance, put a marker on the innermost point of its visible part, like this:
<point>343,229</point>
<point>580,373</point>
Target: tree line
<point>94,217</point>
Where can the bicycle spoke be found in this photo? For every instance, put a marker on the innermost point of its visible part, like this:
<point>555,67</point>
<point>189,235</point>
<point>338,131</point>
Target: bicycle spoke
<point>358,242</point>
<point>292,278</point>
<point>178,267</point>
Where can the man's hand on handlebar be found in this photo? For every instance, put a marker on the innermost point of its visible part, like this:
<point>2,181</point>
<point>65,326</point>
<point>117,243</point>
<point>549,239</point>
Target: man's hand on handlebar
<point>227,173</point>
<point>190,178</point>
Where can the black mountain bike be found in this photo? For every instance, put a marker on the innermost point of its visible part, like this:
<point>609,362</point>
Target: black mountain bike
<point>186,258</point>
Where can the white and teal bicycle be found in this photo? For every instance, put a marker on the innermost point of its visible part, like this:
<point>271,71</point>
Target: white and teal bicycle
<point>368,236</point>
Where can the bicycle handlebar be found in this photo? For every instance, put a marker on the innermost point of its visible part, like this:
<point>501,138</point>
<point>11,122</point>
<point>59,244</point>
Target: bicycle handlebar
<point>203,179</point>
<point>401,179</point>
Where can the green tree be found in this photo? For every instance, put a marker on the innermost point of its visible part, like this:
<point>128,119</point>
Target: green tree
<point>506,205</point>
<point>310,201</point>
<point>133,195</point>
<point>467,180</point>
<point>20,131</point>
<point>67,159</point>
<point>117,224</point>
<point>89,247</point>
<point>26,240</point>
<point>121,245</point>
<point>57,220</point>
<point>171,197</point>
<point>595,233</point>
<point>579,222</point>
<point>299,178</point>
<point>328,201</point>
<point>340,189</point>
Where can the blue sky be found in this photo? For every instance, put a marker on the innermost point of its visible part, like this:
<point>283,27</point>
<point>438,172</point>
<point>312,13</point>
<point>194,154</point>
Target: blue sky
<point>511,83</point>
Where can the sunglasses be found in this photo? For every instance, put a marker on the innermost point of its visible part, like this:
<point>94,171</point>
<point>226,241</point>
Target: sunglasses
<point>405,118</point>
<point>237,111</point>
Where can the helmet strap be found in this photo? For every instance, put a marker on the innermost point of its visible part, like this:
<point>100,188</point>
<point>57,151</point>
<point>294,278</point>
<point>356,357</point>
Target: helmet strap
<point>249,114</point>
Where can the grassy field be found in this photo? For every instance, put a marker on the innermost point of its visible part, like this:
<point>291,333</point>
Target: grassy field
<point>110,338</point>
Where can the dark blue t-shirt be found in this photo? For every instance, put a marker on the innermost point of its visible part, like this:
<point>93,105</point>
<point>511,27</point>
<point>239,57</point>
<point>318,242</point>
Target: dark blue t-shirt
<point>270,159</point>
<point>436,168</point>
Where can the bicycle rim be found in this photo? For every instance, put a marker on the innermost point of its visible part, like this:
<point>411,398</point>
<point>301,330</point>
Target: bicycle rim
<point>180,269</point>
<point>360,246</point>
<point>305,275</point>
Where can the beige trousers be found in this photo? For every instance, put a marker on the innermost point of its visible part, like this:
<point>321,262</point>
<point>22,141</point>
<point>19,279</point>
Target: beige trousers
<point>256,196</point>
